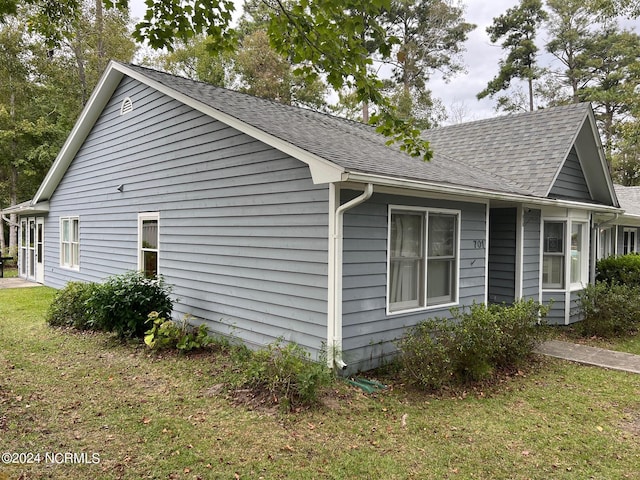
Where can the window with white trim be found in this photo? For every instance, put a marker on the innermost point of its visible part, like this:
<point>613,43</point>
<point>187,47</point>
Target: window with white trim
<point>70,242</point>
<point>629,244</point>
<point>423,259</point>
<point>579,254</point>
<point>558,268</point>
<point>553,255</point>
<point>605,242</point>
<point>148,243</point>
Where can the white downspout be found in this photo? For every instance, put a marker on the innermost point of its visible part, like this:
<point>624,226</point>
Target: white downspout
<point>336,223</point>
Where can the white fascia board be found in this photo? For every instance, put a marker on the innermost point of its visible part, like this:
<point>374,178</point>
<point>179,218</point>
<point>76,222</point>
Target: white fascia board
<point>472,193</point>
<point>322,171</point>
<point>89,115</point>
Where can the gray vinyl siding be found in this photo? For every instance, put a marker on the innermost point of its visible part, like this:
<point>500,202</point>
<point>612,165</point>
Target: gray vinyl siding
<point>502,255</point>
<point>369,334</point>
<point>575,315</point>
<point>571,182</point>
<point>531,254</point>
<point>557,301</point>
<point>243,229</point>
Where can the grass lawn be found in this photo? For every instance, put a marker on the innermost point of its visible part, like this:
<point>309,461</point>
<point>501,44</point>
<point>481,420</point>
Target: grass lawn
<point>150,416</point>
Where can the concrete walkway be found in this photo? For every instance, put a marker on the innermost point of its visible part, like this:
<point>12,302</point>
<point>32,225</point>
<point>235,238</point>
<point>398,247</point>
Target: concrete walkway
<point>16,283</point>
<point>599,357</point>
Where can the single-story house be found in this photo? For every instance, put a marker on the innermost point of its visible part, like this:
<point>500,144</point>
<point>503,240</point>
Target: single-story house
<point>273,221</point>
<point>619,235</point>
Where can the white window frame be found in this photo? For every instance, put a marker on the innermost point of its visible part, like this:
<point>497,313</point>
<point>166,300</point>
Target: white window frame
<point>628,247</point>
<point>568,223</point>
<point>605,242</point>
<point>154,216</point>
<point>70,264</point>
<point>423,303</point>
<point>584,255</point>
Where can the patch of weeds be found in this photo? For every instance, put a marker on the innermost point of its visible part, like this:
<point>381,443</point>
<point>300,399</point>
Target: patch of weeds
<point>167,334</point>
<point>286,373</point>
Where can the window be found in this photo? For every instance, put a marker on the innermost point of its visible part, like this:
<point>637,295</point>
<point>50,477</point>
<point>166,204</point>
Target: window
<point>553,256</point>
<point>605,243</point>
<point>629,241</point>
<point>558,271</point>
<point>423,249</point>
<point>70,242</point>
<point>148,243</point>
<point>578,267</point>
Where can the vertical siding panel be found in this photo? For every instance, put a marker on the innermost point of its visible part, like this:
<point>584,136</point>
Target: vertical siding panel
<point>531,254</point>
<point>502,255</point>
<point>243,229</point>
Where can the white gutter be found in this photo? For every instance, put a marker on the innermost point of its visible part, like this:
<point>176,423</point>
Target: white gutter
<point>382,180</point>
<point>607,222</point>
<point>334,307</point>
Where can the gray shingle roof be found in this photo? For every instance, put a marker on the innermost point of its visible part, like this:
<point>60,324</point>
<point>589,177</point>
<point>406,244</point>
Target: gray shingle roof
<point>629,198</point>
<point>514,154</point>
<point>526,149</point>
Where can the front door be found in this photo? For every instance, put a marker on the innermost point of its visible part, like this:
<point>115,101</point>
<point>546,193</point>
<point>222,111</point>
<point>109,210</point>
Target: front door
<point>32,249</point>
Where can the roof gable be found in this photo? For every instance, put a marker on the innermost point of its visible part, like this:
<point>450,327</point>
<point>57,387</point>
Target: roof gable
<point>570,182</point>
<point>516,155</point>
<point>531,149</point>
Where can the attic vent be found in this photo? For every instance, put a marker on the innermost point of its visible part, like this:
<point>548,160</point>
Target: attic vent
<point>126,107</point>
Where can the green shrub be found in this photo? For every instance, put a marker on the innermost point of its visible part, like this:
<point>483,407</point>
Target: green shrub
<point>522,330</point>
<point>425,354</point>
<point>123,302</point>
<point>471,345</point>
<point>165,334</point>
<point>288,374</point>
<point>69,306</point>
<point>622,269</point>
<point>609,309</point>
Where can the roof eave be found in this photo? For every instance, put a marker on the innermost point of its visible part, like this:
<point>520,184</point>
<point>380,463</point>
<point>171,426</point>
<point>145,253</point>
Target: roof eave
<point>27,208</point>
<point>470,192</point>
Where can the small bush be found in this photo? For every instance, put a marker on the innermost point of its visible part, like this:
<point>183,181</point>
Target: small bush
<point>69,306</point>
<point>609,310</point>
<point>123,302</point>
<point>622,269</point>
<point>472,345</point>
<point>165,334</point>
<point>288,374</point>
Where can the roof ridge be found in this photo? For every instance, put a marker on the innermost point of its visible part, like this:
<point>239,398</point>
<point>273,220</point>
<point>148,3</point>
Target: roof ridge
<point>275,103</point>
<point>512,116</point>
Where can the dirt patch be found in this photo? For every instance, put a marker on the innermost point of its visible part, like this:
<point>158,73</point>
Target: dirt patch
<point>632,423</point>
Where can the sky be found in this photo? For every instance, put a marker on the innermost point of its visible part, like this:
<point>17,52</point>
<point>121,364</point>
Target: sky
<point>481,58</point>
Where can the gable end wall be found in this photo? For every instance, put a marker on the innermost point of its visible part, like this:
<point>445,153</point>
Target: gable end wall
<point>243,229</point>
<point>571,183</point>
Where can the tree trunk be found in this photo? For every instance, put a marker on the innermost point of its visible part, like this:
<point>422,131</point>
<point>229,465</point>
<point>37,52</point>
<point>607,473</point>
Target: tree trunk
<point>100,29</point>
<point>365,112</point>
<point>3,246</point>
<point>530,94</point>
<point>13,218</point>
